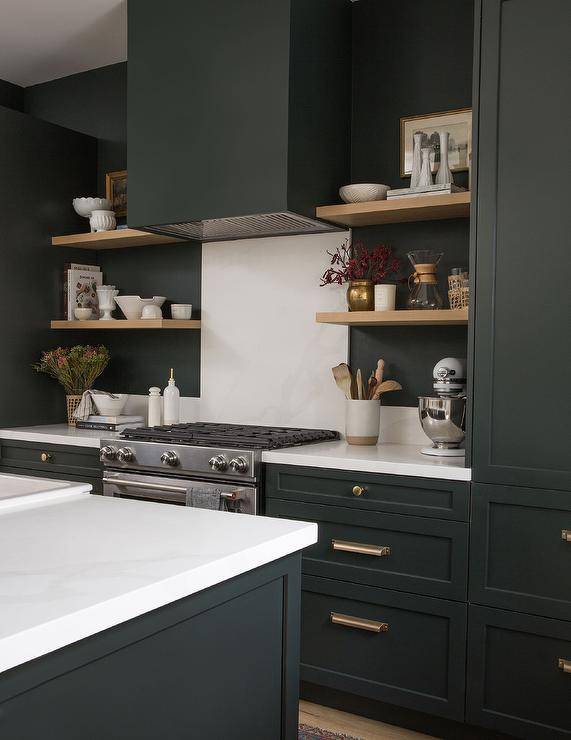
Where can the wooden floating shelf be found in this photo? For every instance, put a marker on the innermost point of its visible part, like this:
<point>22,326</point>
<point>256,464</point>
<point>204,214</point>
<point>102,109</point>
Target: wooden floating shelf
<point>118,239</point>
<point>127,324</point>
<point>420,208</point>
<point>445,317</point>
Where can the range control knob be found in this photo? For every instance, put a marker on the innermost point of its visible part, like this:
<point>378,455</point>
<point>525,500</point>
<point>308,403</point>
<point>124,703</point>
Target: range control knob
<point>218,462</point>
<point>125,455</point>
<point>107,453</point>
<point>169,458</point>
<point>239,465</point>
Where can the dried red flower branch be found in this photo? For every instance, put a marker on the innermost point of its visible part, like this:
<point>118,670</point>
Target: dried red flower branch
<point>355,262</point>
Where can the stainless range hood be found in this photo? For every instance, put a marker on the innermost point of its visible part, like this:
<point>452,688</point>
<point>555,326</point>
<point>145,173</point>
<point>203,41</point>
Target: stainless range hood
<point>239,115</point>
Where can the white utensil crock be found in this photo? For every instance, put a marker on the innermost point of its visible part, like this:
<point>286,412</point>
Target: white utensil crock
<point>362,422</point>
<point>385,295</point>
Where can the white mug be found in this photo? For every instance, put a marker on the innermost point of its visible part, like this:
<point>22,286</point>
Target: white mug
<point>385,295</point>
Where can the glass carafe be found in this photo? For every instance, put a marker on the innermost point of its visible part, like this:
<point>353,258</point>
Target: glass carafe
<point>423,283</point>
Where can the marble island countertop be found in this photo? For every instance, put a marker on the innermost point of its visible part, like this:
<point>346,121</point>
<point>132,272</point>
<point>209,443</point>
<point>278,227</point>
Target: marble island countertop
<point>58,434</point>
<point>73,564</point>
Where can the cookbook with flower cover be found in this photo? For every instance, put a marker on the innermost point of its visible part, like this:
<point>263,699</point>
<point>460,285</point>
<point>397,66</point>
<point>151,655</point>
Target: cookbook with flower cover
<point>82,290</point>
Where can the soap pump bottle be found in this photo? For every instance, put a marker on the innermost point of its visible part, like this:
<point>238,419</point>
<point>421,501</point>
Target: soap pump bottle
<point>171,402</point>
<point>155,407</point>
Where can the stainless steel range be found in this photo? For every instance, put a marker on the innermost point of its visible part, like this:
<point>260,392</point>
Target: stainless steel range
<point>168,463</point>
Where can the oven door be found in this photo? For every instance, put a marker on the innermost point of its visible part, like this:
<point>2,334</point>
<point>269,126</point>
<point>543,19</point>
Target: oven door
<point>238,499</point>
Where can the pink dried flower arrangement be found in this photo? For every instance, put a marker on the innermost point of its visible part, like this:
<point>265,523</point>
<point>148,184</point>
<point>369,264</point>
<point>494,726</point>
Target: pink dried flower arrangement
<point>76,368</point>
<point>355,262</point>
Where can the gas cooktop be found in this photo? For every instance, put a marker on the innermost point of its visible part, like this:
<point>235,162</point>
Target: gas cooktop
<point>202,434</point>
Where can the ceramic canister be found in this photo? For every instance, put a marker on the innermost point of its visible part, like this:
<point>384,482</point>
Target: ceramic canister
<point>102,221</point>
<point>362,422</point>
<point>385,295</point>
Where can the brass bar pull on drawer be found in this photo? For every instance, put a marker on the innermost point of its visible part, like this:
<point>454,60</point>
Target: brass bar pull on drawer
<point>379,550</point>
<point>370,625</point>
<point>566,535</point>
<point>564,665</point>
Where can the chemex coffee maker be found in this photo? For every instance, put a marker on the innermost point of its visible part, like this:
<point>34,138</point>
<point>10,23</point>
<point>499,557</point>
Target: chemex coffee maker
<point>443,416</point>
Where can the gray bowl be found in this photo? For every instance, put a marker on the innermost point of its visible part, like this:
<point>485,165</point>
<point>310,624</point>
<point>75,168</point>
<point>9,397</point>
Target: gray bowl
<point>443,420</point>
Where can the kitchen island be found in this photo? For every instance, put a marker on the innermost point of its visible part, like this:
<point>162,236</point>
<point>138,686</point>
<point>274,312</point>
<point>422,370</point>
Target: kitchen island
<point>127,619</point>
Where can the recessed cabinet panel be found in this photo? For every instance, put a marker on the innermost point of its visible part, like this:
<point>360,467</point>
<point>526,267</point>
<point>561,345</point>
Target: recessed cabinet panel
<point>61,459</point>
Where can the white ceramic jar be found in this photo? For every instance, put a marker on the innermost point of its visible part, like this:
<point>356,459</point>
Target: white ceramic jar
<point>155,411</point>
<point>385,296</point>
<point>362,422</point>
<point>102,221</point>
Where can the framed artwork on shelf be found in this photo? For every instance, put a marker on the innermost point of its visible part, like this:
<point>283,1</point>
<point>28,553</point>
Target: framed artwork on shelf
<point>458,124</point>
<point>116,191</point>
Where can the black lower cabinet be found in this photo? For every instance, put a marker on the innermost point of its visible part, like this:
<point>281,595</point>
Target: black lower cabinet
<point>223,663</point>
<point>415,660</point>
<point>519,673</point>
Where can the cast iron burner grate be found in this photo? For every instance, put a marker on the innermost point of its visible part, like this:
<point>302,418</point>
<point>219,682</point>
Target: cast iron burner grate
<point>230,435</point>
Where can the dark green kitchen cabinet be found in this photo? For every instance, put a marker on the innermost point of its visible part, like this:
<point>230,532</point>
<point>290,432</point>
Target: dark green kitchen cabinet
<point>522,352</point>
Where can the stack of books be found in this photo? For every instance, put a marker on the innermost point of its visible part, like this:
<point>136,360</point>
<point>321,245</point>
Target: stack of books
<point>111,423</point>
<point>446,189</point>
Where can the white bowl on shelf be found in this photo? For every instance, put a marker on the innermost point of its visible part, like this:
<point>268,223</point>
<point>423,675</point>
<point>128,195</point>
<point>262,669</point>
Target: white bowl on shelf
<point>181,311</point>
<point>83,314</point>
<point>107,406</point>
<point>363,192</point>
<point>85,206</point>
<point>132,305</point>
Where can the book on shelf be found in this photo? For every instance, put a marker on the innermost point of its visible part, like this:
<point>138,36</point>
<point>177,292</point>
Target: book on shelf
<point>121,419</point>
<point>107,427</point>
<point>80,288</point>
<point>446,189</point>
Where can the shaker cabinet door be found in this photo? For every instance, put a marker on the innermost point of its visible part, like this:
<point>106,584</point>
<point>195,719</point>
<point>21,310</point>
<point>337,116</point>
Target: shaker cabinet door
<point>522,357</point>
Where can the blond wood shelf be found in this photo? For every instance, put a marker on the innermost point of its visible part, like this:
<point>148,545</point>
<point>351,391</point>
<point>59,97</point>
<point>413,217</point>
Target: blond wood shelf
<point>445,317</point>
<point>118,239</point>
<point>128,324</point>
<point>421,208</point>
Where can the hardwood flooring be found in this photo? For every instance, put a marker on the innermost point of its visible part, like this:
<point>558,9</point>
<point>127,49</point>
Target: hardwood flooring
<point>350,724</point>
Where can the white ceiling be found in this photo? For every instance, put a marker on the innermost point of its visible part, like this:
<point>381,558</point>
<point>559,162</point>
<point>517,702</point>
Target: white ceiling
<point>42,40</point>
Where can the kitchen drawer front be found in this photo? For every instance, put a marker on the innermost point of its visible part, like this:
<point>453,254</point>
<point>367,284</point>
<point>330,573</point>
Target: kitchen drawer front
<point>62,459</point>
<point>520,551</point>
<point>95,483</point>
<point>394,494</point>
<point>418,662</point>
<point>424,556</point>
<point>515,683</point>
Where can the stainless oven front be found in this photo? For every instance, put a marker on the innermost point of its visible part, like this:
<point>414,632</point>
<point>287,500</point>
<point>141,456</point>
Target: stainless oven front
<point>239,499</point>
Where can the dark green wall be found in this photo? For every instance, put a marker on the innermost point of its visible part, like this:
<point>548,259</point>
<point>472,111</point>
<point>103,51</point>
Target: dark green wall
<point>94,102</point>
<point>410,57</point>
<point>11,96</point>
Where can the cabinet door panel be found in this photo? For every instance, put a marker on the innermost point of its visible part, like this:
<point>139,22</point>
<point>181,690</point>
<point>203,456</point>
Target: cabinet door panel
<point>520,421</point>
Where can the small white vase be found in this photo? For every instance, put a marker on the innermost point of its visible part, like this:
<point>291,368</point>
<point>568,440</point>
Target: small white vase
<point>362,422</point>
<point>102,221</point>
<point>416,160</point>
<point>425,173</point>
<point>444,176</point>
<point>106,298</point>
<point>385,295</point>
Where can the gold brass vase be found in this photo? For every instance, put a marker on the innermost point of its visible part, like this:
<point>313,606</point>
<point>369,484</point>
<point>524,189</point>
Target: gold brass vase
<point>361,295</point>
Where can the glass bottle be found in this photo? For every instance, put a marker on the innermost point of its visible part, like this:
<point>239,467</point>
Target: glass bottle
<point>423,283</point>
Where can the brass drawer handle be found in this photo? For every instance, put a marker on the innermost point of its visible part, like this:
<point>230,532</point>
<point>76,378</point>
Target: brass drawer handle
<point>564,665</point>
<point>359,490</point>
<point>566,535</point>
<point>379,551</point>
<point>46,457</point>
<point>370,625</point>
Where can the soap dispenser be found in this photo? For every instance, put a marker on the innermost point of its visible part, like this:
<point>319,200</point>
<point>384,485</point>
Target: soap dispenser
<point>171,402</point>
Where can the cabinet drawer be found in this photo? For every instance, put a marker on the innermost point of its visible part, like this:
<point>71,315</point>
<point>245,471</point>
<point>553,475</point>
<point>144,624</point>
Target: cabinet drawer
<point>535,701</point>
<point>394,494</point>
<point>416,660</point>
<point>407,553</point>
<point>62,459</point>
<point>520,554</point>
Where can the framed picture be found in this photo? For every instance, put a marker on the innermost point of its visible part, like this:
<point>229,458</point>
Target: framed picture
<point>458,123</point>
<point>116,191</point>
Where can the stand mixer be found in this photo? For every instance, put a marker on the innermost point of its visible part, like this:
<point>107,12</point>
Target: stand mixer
<point>443,417</point>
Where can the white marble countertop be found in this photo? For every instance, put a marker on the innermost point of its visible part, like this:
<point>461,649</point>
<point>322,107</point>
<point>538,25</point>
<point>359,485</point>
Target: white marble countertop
<point>58,434</point>
<point>14,487</point>
<point>382,458</point>
<point>77,564</point>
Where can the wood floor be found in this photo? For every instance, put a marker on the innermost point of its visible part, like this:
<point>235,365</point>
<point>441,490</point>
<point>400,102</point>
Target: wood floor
<point>349,724</point>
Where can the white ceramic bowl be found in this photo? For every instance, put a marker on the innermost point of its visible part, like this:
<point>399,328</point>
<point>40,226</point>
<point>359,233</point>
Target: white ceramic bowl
<point>107,406</point>
<point>85,206</point>
<point>363,192</point>
<point>181,311</point>
<point>83,314</point>
<point>151,311</point>
<point>102,220</point>
<point>131,305</point>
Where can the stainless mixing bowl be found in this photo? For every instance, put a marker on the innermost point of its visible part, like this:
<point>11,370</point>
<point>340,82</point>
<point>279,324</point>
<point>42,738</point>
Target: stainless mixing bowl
<point>443,420</point>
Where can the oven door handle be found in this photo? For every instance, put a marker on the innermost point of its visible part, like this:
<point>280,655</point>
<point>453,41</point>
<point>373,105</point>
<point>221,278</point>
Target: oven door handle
<point>156,487</point>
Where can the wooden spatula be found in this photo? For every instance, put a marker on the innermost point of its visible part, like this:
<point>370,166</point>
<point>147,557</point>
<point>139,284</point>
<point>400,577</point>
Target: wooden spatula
<point>360,389</point>
<point>388,385</point>
<point>343,379</point>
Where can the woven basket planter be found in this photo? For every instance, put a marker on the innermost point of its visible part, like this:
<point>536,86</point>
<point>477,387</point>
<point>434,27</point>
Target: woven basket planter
<point>72,403</point>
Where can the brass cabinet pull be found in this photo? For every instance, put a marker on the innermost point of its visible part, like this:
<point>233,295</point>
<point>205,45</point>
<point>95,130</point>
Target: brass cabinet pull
<point>370,625</point>
<point>564,665</point>
<point>359,490</point>
<point>45,457</point>
<point>379,551</point>
<point>566,535</point>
